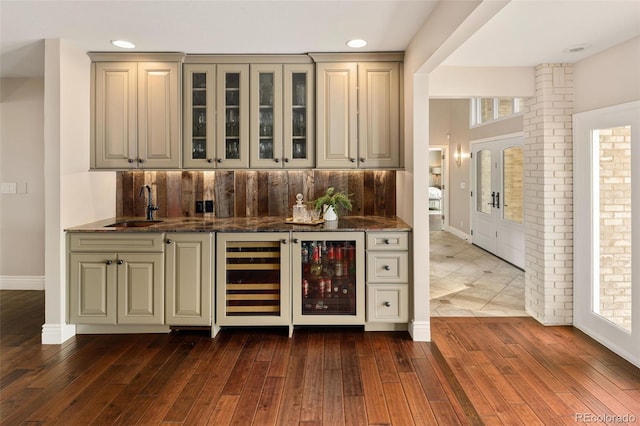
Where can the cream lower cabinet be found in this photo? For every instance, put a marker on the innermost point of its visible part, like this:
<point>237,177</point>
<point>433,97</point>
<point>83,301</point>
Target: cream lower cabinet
<point>189,276</point>
<point>116,279</point>
<point>253,279</point>
<point>387,278</point>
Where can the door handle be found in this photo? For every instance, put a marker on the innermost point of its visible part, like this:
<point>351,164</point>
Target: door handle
<point>497,200</point>
<point>493,200</point>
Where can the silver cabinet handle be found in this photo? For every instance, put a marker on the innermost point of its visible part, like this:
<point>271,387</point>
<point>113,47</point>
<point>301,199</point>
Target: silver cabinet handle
<point>387,304</point>
<point>109,262</point>
<point>120,262</point>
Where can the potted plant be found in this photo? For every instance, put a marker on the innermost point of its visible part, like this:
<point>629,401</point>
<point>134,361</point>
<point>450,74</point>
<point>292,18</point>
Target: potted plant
<point>333,199</point>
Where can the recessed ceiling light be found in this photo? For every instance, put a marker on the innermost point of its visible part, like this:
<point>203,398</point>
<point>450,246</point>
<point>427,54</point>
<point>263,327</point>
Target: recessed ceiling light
<point>577,48</point>
<point>123,43</point>
<point>356,43</point>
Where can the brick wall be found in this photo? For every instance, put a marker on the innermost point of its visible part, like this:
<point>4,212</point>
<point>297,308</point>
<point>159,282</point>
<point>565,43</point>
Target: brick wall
<point>548,177</point>
<point>615,224</point>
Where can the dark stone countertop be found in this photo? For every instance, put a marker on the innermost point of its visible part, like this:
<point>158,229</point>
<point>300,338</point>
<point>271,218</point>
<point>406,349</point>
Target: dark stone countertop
<point>245,224</point>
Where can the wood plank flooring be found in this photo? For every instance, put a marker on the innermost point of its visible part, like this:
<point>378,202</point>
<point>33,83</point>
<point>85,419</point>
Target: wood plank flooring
<point>476,371</point>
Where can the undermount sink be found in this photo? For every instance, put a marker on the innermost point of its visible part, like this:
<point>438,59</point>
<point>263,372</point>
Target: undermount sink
<point>135,223</point>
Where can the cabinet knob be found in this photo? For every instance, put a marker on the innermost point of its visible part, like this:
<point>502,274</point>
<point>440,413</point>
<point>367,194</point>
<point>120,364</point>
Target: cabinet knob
<point>219,160</point>
<point>362,160</point>
<point>169,241</point>
<point>131,160</point>
<point>386,267</point>
<point>141,160</point>
<point>353,160</point>
<point>109,262</point>
<point>286,160</point>
<point>386,241</point>
<point>283,241</point>
<point>277,160</point>
<point>120,262</point>
<point>387,304</point>
<point>209,160</point>
<point>296,241</point>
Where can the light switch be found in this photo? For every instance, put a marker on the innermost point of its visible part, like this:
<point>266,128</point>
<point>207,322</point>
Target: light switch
<point>8,188</point>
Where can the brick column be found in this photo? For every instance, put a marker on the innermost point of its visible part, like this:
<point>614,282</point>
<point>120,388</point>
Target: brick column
<point>548,183</point>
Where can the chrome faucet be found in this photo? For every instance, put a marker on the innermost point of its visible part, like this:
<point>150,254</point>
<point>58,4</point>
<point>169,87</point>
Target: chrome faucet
<point>150,207</point>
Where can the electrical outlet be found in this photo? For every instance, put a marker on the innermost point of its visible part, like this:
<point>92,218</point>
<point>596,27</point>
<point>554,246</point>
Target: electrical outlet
<point>199,206</point>
<point>208,206</point>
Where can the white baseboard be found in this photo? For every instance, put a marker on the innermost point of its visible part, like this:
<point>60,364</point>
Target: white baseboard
<point>458,233</point>
<point>21,282</point>
<point>420,331</point>
<point>56,334</point>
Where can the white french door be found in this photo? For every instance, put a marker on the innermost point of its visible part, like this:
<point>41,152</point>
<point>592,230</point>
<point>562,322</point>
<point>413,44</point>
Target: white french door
<point>498,199</point>
<point>607,227</point>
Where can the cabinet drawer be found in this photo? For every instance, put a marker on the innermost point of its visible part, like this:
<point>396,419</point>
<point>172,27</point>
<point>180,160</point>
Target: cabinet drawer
<point>387,267</point>
<point>387,303</point>
<point>387,241</point>
<point>125,242</point>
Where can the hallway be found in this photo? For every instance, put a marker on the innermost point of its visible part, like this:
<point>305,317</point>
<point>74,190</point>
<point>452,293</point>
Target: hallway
<point>467,281</point>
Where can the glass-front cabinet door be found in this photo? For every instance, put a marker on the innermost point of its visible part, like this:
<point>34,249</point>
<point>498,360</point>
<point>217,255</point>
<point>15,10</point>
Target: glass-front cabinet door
<point>266,115</point>
<point>232,147</point>
<point>199,115</point>
<point>328,278</point>
<point>299,101</point>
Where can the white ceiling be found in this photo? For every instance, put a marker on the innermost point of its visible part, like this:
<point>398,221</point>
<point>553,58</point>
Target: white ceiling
<point>523,33</point>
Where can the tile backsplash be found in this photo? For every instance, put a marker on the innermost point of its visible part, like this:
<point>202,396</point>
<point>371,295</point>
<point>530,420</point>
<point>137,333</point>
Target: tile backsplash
<point>252,193</point>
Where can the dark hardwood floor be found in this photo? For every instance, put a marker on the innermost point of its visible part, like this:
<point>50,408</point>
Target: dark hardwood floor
<point>476,371</point>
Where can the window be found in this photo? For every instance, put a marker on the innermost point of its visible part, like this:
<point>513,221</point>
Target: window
<point>484,110</point>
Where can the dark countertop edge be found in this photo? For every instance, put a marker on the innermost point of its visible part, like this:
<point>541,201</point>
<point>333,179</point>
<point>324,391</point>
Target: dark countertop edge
<point>249,224</point>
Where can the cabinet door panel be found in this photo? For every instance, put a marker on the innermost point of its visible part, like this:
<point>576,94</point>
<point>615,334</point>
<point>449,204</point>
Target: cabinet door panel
<point>115,115</point>
<point>158,119</point>
<point>92,288</point>
<point>198,134</point>
<point>299,116</point>
<point>337,115</point>
<point>379,118</point>
<point>232,116</point>
<point>189,279</point>
<point>140,289</point>
<point>266,116</point>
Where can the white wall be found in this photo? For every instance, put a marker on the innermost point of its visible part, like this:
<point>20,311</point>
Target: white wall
<point>465,82</point>
<point>607,78</point>
<point>21,162</point>
<point>73,195</point>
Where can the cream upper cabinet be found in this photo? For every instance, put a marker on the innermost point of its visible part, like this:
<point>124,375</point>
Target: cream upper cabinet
<point>282,115</point>
<point>135,114</point>
<point>358,114</point>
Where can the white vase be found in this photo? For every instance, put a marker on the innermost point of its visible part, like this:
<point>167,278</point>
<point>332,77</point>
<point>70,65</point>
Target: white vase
<point>329,214</point>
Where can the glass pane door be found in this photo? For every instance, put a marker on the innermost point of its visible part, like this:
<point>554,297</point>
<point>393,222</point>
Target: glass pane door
<point>485,200</point>
<point>299,150</point>
<point>265,141</point>
<point>199,118</point>
<point>328,278</point>
<point>232,116</point>
<point>612,178</point>
<point>512,184</point>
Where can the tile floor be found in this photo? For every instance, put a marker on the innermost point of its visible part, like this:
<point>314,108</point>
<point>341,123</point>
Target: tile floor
<point>468,281</point>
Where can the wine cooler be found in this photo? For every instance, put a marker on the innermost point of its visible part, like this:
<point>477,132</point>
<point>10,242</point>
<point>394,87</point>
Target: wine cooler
<point>328,278</point>
<point>253,279</point>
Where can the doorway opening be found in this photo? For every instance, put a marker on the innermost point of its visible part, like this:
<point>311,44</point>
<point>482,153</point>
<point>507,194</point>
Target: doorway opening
<point>438,199</point>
